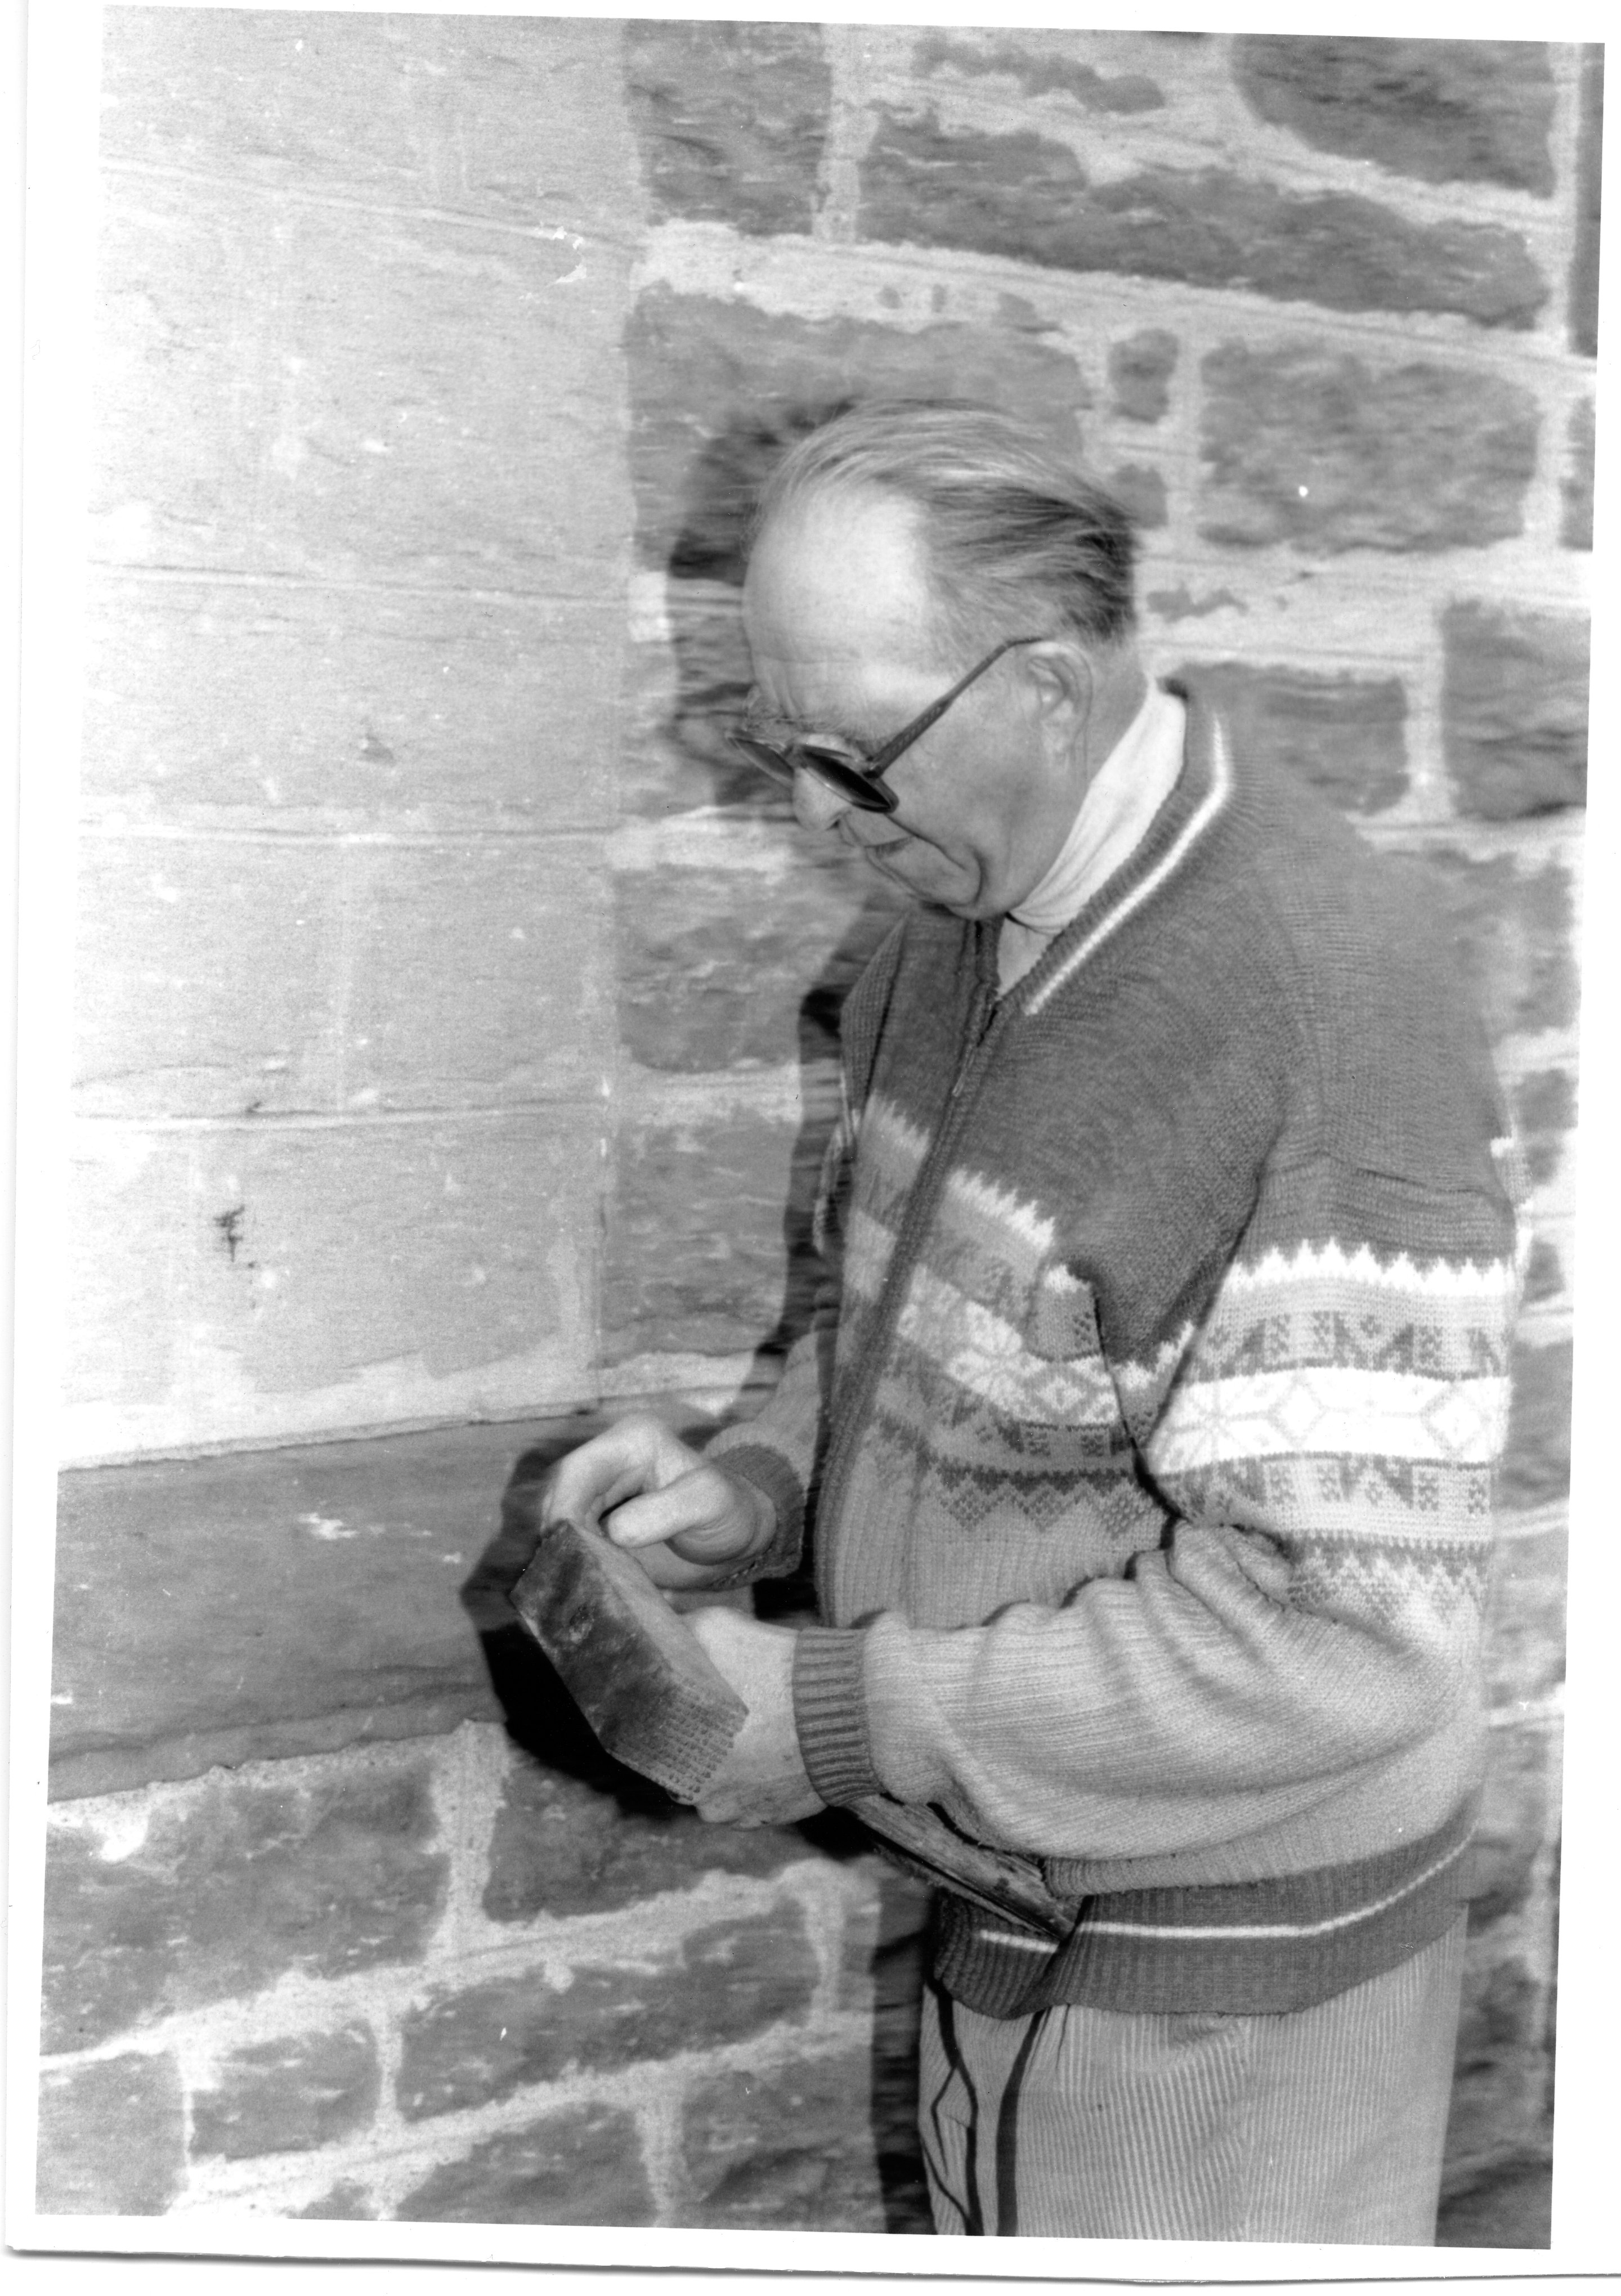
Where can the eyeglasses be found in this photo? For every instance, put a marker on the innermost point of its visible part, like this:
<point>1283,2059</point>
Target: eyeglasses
<point>840,764</point>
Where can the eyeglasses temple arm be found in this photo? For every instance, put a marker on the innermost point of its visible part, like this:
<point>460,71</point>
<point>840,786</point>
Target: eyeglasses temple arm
<point>890,750</point>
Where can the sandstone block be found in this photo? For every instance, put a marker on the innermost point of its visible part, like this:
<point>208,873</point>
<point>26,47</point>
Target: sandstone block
<point>725,1982</point>
<point>351,707</point>
<point>1444,110</point>
<point>299,1258</point>
<point>731,118</point>
<point>790,2149</point>
<point>1520,1810</point>
<point>1544,1110</point>
<point>363,403</point>
<point>288,2095</point>
<point>1314,448</point>
<point>581,2166</point>
<point>1582,316</point>
<point>232,1885</point>
<point>1575,530</point>
<point>478,975</point>
<point>1139,490</point>
<point>1514,710</point>
<point>708,1233</point>
<point>1041,64</point>
<point>1525,1646</point>
<point>1026,196</point>
<point>112,2139</point>
<point>745,967</point>
<point>1345,735</point>
<point>1140,368</point>
<point>1513,925</point>
<point>207,976</point>
<point>563,1847</point>
<point>170,1575</point>
<point>346,2200</point>
<point>1500,2079</point>
<point>1536,1467</point>
<point>719,390</point>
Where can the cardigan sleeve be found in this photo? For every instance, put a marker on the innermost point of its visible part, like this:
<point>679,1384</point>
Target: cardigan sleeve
<point>1321,1440</point>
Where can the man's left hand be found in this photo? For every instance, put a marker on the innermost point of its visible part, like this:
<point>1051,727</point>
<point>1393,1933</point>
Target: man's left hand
<point>762,1781</point>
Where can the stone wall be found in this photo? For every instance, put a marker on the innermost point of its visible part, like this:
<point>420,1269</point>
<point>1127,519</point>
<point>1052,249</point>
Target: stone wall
<point>456,1023</point>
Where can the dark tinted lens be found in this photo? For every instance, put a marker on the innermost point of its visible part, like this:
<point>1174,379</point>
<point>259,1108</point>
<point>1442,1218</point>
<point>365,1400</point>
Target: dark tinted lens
<point>839,774</point>
<point>760,754</point>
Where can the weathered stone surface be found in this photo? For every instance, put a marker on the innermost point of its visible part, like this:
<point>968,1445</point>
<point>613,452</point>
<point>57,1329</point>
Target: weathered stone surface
<point>1582,285</point>
<point>583,2166</point>
<point>1544,1276</point>
<point>1140,492</point>
<point>744,967</point>
<point>1537,1464</point>
<point>206,976</point>
<point>1345,735</point>
<point>294,1259</point>
<point>1314,448</point>
<point>1501,2071</point>
<point>563,1847</point>
<point>225,1888</point>
<point>713,677</point>
<point>346,2200</point>
<point>731,118</point>
<point>288,2096</point>
<point>1510,2205</point>
<point>787,2149</point>
<point>443,111</point>
<point>112,2139</point>
<point>1139,373</point>
<point>728,1981</point>
<point>1445,111</point>
<point>1575,528</point>
<point>1525,1646</point>
<point>1517,1813</point>
<point>349,707</point>
<point>1025,195</point>
<point>1180,605</point>
<point>720,389</point>
<point>1513,926</point>
<point>708,1232</point>
<point>374,414</point>
<point>1040,64</point>
<point>167,1575</point>
<point>1514,710</point>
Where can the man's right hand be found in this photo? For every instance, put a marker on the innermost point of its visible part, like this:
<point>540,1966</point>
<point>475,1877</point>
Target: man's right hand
<point>688,1522</point>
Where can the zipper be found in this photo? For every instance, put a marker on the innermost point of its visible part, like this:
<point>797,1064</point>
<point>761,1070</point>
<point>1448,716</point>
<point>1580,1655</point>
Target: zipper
<point>984,1027</point>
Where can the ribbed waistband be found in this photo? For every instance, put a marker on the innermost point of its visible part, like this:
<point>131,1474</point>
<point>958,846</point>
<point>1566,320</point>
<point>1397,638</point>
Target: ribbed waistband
<point>1243,1948</point>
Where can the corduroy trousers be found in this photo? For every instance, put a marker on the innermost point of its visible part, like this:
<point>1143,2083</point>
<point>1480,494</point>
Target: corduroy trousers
<point>1323,2124</point>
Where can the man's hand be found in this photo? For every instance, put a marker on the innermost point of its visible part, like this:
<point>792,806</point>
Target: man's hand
<point>688,1523</point>
<point>762,1781</point>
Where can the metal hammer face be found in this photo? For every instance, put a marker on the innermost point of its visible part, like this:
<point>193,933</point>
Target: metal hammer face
<point>637,1674</point>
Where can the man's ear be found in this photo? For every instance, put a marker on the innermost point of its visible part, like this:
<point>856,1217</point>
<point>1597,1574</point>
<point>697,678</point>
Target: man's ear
<point>1064,683</point>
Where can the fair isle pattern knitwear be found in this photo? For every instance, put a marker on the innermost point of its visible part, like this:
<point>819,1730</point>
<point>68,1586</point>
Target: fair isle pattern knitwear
<point>1148,1426</point>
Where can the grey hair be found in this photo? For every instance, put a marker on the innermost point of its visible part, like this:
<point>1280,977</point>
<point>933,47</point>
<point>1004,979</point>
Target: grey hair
<point>1015,538</point>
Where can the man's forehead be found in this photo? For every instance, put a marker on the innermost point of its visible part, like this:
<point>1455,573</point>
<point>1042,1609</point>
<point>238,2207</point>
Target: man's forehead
<point>837,572</point>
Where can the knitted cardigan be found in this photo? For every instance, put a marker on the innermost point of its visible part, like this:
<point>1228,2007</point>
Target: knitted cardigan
<point>1148,1421</point>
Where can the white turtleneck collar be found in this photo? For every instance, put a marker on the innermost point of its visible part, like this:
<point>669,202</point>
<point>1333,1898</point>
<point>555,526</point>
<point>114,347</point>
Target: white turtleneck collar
<point>1126,792</point>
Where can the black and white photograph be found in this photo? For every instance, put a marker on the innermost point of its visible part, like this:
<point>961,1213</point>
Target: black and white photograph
<point>801,976</point>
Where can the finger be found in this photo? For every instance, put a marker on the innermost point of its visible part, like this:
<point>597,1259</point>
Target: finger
<point>697,1503</point>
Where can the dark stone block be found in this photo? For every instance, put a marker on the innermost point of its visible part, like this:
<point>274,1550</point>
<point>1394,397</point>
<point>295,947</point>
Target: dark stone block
<point>1537,1464</point>
<point>1509,2206</point>
<point>1514,1823</point>
<point>728,1981</point>
<point>1583,314</point>
<point>1141,493</point>
<point>1501,2070</point>
<point>1040,64</point>
<point>1345,735</point>
<point>347,2200</point>
<point>288,2095</point>
<point>1026,196</point>
<point>1544,1108</point>
<point>1180,605</point>
<point>1448,111</point>
<point>731,118</point>
<point>112,2139</point>
<point>1514,710</point>
<point>1139,373</point>
<point>563,1846</point>
<point>790,2149</point>
<point>719,390</point>
<point>234,1886</point>
<point>1514,930</point>
<point>1314,447</point>
<point>583,2166</point>
<point>1575,528</point>
<point>1545,1277</point>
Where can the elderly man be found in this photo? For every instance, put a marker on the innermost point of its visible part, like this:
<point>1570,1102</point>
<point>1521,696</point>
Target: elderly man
<point>1145,1438</point>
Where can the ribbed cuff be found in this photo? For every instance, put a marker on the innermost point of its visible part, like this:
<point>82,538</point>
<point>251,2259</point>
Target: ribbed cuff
<point>830,1712</point>
<point>770,1474</point>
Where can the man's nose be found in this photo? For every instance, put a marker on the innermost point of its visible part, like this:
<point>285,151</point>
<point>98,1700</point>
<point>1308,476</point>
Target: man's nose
<point>816,804</point>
